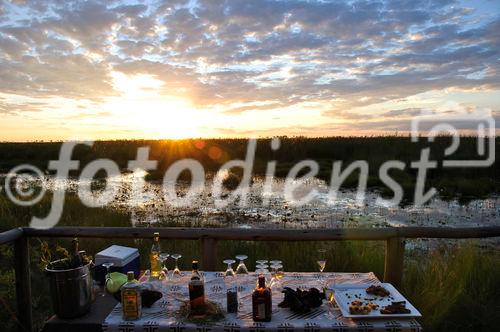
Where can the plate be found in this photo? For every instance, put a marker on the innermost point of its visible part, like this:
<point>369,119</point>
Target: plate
<point>346,293</point>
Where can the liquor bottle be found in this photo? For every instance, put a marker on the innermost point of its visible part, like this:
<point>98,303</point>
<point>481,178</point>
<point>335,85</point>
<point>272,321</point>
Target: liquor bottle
<point>261,302</point>
<point>75,259</point>
<point>231,294</point>
<point>232,299</point>
<point>131,298</point>
<point>154,257</point>
<point>196,290</point>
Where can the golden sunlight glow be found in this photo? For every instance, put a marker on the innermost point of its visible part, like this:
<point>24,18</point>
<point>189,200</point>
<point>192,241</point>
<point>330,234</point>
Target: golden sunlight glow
<point>145,106</point>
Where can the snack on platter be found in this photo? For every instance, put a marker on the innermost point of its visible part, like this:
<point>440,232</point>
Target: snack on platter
<point>378,291</point>
<point>358,307</point>
<point>395,308</point>
<point>372,301</point>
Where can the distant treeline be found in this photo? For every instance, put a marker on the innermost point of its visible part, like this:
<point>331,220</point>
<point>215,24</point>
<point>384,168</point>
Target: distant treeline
<point>464,183</point>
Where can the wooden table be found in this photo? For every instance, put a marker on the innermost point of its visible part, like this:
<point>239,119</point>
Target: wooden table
<point>105,314</point>
<point>91,322</point>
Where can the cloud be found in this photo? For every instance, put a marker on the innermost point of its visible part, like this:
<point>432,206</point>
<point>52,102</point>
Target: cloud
<point>345,55</point>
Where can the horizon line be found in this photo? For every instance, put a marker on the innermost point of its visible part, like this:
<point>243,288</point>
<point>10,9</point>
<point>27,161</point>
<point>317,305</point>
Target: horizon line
<point>135,139</point>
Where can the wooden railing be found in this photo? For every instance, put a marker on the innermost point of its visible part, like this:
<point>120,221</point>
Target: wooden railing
<point>394,238</point>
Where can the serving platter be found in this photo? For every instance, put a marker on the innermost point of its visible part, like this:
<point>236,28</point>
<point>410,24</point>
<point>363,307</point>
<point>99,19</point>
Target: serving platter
<point>346,293</point>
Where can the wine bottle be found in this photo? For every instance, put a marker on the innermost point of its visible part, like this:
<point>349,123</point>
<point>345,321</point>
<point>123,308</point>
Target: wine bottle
<point>154,257</point>
<point>261,302</point>
<point>131,298</point>
<point>75,259</point>
<point>196,290</point>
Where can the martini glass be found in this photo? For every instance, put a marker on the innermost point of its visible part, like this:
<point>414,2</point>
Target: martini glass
<point>229,272</point>
<point>241,268</point>
<point>164,257</point>
<point>176,273</point>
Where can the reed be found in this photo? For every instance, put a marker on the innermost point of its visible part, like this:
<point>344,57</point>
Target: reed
<point>462,183</point>
<point>454,286</point>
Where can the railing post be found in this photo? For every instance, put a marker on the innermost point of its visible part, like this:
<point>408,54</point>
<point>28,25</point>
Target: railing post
<point>23,284</point>
<point>209,253</point>
<point>394,260</point>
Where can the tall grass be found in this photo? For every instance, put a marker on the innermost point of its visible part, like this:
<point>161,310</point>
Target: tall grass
<point>464,183</point>
<point>457,289</point>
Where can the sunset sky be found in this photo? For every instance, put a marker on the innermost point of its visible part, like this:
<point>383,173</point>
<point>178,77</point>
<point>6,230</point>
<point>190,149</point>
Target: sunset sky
<point>152,69</point>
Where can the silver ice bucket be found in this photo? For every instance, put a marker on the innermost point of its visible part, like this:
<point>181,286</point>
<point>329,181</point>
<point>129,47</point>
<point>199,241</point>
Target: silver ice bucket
<point>71,290</point>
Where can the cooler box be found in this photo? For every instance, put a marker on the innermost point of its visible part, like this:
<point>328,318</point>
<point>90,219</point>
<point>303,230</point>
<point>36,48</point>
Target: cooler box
<point>124,259</point>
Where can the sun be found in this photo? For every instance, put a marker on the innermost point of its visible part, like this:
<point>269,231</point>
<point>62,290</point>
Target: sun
<point>163,117</point>
<point>145,107</point>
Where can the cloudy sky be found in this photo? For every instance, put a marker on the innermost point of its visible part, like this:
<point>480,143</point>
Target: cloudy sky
<point>127,69</point>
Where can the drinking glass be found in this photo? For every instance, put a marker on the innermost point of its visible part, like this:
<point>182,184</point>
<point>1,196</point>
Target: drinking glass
<point>274,279</point>
<point>241,268</point>
<point>107,265</point>
<point>261,264</point>
<point>146,276</point>
<point>164,257</point>
<point>229,272</point>
<point>331,303</point>
<point>261,269</point>
<point>275,261</point>
<point>321,260</point>
<point>276,275</point>
<point>176,273</point>
<point>280,273</point>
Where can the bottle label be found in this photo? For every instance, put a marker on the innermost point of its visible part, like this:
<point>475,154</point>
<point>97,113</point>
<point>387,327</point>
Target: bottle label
<point>130,304</point>
<point>261,310</point>
<point>196,291</point>
<point>155,262</point>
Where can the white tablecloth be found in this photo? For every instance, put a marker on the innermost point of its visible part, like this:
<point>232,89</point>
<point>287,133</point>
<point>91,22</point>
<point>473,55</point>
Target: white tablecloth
<point>160,317</point>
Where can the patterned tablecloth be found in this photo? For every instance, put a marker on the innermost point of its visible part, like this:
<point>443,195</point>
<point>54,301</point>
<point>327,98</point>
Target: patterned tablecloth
<point>160,317</point>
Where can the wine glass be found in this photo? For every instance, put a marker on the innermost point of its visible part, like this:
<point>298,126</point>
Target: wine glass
<point>146,276</point>
<point>241,268</point>
<point>274,279</point>
<point>331,303</point>
<point>279,270</point>
<point>277,274</point>
<point>229,272</point>
<point>107,265</point>
<point>261,264</point>
<point>176,273</point>
<point>321,262</point>
<point>261,269</point>
<point>163,257</point>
